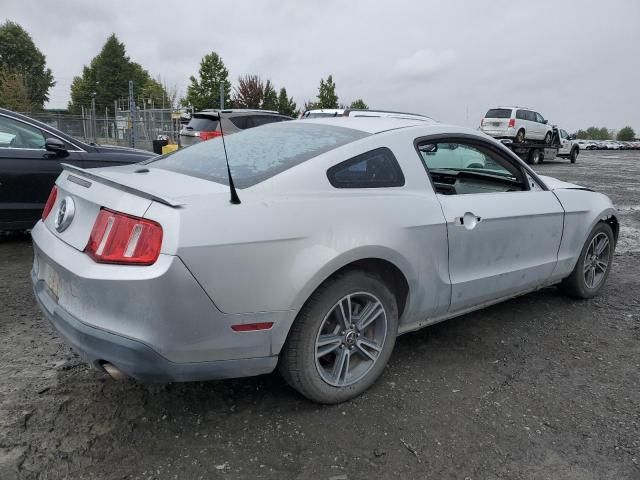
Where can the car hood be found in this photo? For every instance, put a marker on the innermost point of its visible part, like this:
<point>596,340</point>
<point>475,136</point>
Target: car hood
<point>555,184</point>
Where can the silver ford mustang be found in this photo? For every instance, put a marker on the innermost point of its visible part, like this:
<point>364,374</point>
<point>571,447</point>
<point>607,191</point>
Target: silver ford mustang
<point>342,234</point>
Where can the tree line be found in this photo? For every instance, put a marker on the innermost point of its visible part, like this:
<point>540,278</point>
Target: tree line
<point>25,82</point>
<point>625,134</point>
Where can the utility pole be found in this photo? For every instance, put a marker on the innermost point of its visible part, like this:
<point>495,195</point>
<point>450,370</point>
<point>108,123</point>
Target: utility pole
<point>84,125</point>
<point>132,116</point>
<point>93,117</point>
<point>222,96</point>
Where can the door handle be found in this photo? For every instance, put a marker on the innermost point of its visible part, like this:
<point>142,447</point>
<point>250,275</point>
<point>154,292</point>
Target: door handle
<point>468,220</point>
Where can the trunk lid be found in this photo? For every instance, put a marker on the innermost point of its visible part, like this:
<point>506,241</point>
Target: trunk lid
<point>129,189</point>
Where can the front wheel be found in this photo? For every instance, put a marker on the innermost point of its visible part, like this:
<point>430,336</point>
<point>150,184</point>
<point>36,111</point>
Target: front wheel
<point>520,136</point>
<point>574,155</point>
<point>548,137</point>
<point>594,264</point>
<point>342,338</point>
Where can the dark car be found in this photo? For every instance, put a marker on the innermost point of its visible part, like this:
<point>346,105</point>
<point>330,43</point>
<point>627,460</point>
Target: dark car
<point>205,125</point>
<point>30,156</point>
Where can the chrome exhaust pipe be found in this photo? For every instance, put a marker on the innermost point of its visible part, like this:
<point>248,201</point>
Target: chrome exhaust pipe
<point>113,372</point>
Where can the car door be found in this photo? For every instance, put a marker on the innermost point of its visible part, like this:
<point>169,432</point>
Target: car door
<point>541,124</point>
<point>504,228</point>
<point>565,143</point>
<point>531,128</point>
<point>27,172</point>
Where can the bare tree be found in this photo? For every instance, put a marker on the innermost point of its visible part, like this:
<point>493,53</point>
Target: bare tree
<point>249,93</point>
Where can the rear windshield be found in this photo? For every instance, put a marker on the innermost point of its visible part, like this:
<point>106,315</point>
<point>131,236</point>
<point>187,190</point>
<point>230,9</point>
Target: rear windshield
<point>202,123</point>
<point>320,114</point>
<point>256,154</point>
<point>498,113</point>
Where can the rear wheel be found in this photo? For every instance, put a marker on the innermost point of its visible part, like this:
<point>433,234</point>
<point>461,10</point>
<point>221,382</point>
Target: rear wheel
<point>593,266</point>
<point>536,156</point>
<point>342,338</point>
<point>520,136</point>
<point>548,137</point>
<point>574,155</point>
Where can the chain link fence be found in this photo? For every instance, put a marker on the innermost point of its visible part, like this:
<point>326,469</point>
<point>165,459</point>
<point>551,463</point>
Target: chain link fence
<point>120,129</point>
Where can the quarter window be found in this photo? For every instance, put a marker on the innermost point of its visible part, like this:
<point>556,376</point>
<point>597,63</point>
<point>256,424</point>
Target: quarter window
<point>15,134</point>
<point>458,169</point>
<point>375,169</point>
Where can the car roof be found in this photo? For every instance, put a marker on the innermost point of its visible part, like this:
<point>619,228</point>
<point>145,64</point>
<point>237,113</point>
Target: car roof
<point>512,107</point>
<point>236,111</point>
<point>373,125</point>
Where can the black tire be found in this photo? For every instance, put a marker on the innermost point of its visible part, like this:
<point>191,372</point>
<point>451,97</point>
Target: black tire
<point>575,285</point>
<point>548,137</point>
<point>574,155</point>
<point>298,363</point>
<point>520,136</point>
<point>536,156</point>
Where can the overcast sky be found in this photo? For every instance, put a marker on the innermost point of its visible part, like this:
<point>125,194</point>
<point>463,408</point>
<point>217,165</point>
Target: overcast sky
<point>576,62</point>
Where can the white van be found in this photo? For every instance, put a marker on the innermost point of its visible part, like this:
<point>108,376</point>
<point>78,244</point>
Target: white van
<point>517,123</point>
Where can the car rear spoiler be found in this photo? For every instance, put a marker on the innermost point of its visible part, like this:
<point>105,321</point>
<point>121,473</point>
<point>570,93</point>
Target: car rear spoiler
<point>112,183</point>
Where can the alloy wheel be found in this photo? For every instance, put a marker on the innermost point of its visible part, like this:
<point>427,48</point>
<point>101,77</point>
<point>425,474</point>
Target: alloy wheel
<point>350,339</point>
<point>596,260</point>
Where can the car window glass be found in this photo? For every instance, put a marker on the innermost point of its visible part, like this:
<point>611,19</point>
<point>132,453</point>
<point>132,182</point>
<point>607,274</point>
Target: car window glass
<point>264,119</point>
<point>539,118</point>
<point>530,116</point>
<point>240,122</point>
<point>498,113</point>
<point>202,123</point>
<point>563,134</point>
<point>521,114</point>
<point>256,154</point>
<point>15,134</point>
<point>375,169</point>
<point>457,168</point>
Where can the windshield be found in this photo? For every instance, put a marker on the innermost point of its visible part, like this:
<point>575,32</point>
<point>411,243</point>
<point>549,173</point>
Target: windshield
<point>259,153</point>
<point>498,113</point>
<point>203,123</point>
<point>321,114</point>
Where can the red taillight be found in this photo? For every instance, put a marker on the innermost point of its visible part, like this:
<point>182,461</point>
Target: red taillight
<point>120,238</point>
<point>50,201</point>
<point>209,135</point>
<point>512,122</point>
<point>251,327</point>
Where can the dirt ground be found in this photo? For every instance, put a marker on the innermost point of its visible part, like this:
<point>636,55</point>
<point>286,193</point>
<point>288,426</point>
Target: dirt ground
<point>540,387</point>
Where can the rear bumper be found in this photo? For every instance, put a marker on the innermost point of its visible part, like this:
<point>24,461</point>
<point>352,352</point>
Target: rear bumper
<point>153,323</point>
<point>499,133</point>
<point>134,358</point>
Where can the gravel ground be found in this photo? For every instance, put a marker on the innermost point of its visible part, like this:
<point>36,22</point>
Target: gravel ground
<point>540,387</point>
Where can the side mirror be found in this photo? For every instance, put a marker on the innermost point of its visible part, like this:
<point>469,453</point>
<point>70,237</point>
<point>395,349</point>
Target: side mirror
<point>545,121</point>
<point>56,146</point>
<point>571,137</point>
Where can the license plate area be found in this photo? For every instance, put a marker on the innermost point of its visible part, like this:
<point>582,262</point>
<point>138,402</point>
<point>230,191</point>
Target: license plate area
<point>52,280</point>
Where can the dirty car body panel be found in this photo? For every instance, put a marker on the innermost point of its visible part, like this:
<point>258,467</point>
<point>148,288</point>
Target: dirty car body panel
<point>222,265</point>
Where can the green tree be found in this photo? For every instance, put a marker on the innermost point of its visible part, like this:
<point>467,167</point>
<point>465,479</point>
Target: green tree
<point>204,91</point>
<point>359,103</point>
<point>286,105</point>
<point>327,97</point>
<point>582,134</point>
<point>626,134</point>
<point>269,97</point>
<point>107,78</point>
<point>19,56</point>
<point>14,93</point>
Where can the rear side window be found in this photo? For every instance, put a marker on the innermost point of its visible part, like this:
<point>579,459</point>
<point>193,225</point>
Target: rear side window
<point>498,113</point>
<point>264,119</point>
<point>240,122</point>
<point>202,123</point>
<point>375,169</point>
<point>256,154</point>
<point>521,114</point>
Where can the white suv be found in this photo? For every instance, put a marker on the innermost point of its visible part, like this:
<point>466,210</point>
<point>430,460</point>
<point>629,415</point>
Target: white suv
<point>517,123</point>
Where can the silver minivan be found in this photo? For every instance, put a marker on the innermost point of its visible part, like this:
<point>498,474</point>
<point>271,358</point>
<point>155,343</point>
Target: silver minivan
<point>517,123</point>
